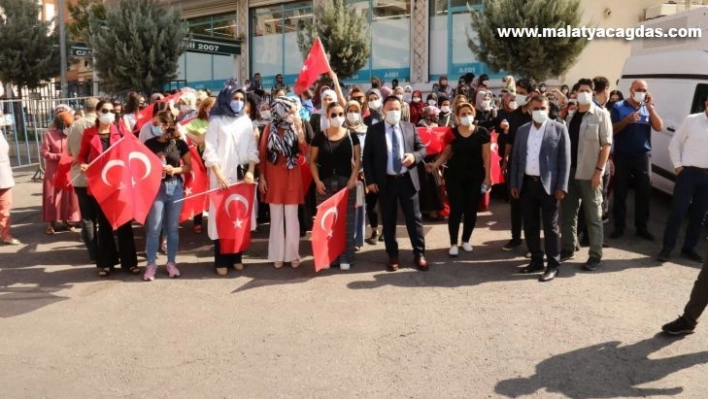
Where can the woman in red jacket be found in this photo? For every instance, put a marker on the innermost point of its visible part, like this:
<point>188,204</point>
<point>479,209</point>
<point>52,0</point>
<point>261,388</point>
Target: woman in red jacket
<point>95,141</point>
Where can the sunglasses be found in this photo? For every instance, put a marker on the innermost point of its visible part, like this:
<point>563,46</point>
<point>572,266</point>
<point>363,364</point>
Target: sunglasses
<point>360,99</point>
<point>106,111</point>
<point>333,115</point>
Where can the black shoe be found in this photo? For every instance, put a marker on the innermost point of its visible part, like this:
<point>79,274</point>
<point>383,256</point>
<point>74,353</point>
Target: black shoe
<point>664,255</point>
<point>584,242</point>
<point>567,255</point>
<point>512,245</point>
<point>605,245</point>
<point>532,268</point>
<point>645,234</point>
<point>550,274</point>
<point>592,264</point>
<point>692,255</point>
<point>381,238</point>
<point>372,240</point>
<point>680,326</point>
<point>617,234</point>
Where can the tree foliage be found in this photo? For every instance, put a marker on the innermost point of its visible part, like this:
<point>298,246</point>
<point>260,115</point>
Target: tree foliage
<point>29,51</point>
<point>534,57</point>
<point>78,27</point>
<point>137,45</point>
<point>344,33</point>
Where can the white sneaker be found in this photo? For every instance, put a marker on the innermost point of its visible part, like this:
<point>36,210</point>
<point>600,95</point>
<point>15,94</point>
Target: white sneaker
<point>467,247</point>
<point>454,251</point>
<point>345,266</point>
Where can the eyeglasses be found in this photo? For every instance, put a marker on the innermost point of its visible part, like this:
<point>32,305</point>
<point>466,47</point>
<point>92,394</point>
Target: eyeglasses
<point>106,111</point>
<point>334,115</point>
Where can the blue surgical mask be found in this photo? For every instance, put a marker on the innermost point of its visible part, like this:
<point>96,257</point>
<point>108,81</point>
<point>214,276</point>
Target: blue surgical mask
<point>236,106</point>
<point>157,131</point>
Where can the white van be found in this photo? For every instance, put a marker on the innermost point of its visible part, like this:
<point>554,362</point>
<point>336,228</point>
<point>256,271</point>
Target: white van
<point>676,72</point>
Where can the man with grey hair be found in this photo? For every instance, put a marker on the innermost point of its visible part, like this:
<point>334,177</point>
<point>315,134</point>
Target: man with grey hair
<point>87,205</point>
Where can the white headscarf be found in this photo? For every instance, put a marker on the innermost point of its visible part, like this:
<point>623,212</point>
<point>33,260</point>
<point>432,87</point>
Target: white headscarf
<point>324,122</point>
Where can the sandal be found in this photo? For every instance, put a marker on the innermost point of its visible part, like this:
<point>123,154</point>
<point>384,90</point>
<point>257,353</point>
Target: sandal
<point>278,265</point>
<point>296,263</point>
<point>134,270</point>
<point>104,272</point>
<point>50,231</point>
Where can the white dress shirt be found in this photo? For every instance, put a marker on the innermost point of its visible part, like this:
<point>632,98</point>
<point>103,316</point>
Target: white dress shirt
<point>533,150</point>
<point>689,144</point>
<point>389,163</point>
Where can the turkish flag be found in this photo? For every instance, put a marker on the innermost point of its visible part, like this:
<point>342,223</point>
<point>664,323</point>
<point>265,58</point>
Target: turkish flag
<point>62,174</point>
<point>435,138</point>
<point>145,170</point>
<point>305,172</point>
<point>329,231</point>
<point>315,65</point>
<point>233,209</point>
<point>195,182</point>
<point>145,115</point>
<point>496,172</point>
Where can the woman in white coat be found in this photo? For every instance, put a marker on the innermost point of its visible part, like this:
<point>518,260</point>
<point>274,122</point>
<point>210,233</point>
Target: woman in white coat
<point>230,155</point>
<point>6,184</point>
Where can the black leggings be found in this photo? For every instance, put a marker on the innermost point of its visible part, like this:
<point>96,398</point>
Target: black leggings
<point>464,195</point>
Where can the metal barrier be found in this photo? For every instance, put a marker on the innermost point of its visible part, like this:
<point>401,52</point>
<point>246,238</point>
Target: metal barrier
<point>23,122</point>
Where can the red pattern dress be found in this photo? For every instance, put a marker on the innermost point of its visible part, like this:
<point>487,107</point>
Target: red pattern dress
<point>57,204</point>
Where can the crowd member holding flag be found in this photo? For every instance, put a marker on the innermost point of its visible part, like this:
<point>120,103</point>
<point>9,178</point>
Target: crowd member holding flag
<point>335,157</point>
<point>95,141</point>
<point>164,214</point>
<point>467,175</point>
<point>187,104</point>
<point>195,131</point>
<point>58,203</point>
<point>230,154</point>
<point>280,180</point>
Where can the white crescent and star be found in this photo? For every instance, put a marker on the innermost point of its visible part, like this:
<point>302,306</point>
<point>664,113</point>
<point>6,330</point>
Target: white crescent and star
<point>329,211</point>
<point>144,159</point>
<point>238,223</point>
<point>106,168</point>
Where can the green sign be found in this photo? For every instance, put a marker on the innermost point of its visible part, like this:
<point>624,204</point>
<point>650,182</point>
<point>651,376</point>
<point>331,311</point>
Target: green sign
<point>80,50</point>
<point>200,45</point>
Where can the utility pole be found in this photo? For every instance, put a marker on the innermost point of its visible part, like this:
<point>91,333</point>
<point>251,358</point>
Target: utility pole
<point>62,48</point>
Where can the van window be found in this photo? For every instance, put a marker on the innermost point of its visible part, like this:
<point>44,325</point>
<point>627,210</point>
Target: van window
<point>701,92</point>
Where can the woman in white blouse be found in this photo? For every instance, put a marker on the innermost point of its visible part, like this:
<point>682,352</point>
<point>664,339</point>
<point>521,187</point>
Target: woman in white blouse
<point>6,184</point>
<point>231,155</point>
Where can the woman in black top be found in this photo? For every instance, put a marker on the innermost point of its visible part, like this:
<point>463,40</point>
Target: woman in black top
<point>335,158</point>
<point>466,176</point>
<point>164,214</point>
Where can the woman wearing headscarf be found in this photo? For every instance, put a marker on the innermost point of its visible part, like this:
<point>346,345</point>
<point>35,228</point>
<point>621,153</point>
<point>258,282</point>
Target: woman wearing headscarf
<point>94,142</point>
<point>195,131</point>
<point>59,204</point>
<point>446,117</point>
<point>306,210</point>
<point>429,116</point>
<point>230,155</point>
<point>281,182</point>
<point>187,104</point>
<point>355,124</point>
<point>509,84</point>
<point>485,112</point>
<point>405,108</point>
<point>416,106</point>
<point>442,88</point>
<point>430,194</point>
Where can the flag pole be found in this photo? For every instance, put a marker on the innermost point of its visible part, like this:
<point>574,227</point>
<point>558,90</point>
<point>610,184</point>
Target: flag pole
<point>206,192</point>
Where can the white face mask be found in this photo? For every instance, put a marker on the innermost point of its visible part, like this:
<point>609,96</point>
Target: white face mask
<point>416,99</point>
<point>521,100</point>
<point>539,116</point>
<point>107,119</point>
<point>399,96</point>
<point>570,114</point>
<point>393,117</point>
<point>337,121</point>
<point>265,115</point>
<point>184,109</point>
<point>375,105</point>
<point>639,96</point>
<point>432,103</point>
<point>486,105</point>
<point>353,117</point>
<point>445,109</point>
<point>584,98</point>
<point>407,97</point>
<point>512,105</point>
<point>467,120</point>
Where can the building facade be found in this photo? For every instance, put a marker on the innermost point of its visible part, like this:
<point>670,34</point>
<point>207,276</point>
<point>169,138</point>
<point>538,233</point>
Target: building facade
<point>413,41</point>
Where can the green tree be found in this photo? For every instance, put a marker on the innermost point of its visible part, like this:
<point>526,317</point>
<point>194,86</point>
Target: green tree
<point>138,44</point>
<point>344,33</point>
<point>78,26</point>
<point>534,57</point>
<point>29,51</point>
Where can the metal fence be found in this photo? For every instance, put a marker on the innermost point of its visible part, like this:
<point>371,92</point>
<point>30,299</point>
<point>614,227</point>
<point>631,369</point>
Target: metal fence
<point>23,122</point>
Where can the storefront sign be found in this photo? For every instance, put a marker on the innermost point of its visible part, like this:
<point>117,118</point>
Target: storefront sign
<point>213,46</point>
<point>80,50</point>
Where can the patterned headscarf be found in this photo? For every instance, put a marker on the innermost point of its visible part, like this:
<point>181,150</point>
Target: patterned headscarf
<point>287,145</point>
<point>358,127</point>
<point>223,101</point>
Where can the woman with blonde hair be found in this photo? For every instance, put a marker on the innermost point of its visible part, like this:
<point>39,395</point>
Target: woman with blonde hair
<point>509,84</point>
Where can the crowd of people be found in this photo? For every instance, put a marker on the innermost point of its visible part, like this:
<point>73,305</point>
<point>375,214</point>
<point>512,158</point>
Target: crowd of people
<point>565,153</point>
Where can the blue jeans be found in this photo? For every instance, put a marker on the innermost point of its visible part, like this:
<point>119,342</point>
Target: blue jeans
<point>690,196</point>
<point>164,214</point>
<point>360,225</point>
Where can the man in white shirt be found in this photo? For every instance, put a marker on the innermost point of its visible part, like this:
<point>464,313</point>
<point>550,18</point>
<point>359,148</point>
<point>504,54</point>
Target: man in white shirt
<point>687,150</point>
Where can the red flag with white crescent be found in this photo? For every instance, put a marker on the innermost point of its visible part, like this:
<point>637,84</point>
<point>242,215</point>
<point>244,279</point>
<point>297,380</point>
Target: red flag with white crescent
<point>233,208</point>
<point>145,176</point>
<point>329,231</point>
<point>315,65</point>
<point>62,175</point>
<point>305,172</point>
<point>196,181</point>
<point>434,138</point>
<point>496,172</point>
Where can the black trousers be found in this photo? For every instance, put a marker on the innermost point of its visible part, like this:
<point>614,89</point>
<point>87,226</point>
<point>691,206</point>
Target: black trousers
<point>637,169</point>
<point>401,190</point>
<point>537,206</point>
<point>699,295</point>
<point>516,217</point>
<point>464,195</point>
<point>372,200</point>
<point>108,255</point>
<point>89,225</point>
<point>224,260</point>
